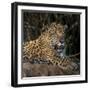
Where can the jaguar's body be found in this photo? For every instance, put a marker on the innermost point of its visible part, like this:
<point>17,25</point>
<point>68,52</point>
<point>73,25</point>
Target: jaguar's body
<point>44,48</point>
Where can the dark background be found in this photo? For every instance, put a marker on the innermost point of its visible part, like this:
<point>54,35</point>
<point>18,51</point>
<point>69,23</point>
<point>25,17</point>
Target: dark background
<point>34,21</point>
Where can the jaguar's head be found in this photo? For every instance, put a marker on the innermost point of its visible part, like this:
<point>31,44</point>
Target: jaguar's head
<point>56,34</point>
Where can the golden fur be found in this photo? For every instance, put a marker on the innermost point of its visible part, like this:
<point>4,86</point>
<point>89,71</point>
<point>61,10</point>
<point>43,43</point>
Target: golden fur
<point>42,48</point>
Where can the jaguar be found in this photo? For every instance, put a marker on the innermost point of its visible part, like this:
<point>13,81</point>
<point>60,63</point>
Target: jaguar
<point>43,50</point>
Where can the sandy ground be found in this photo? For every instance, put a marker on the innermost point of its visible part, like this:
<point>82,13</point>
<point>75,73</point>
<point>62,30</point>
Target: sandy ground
<point>33,70</point>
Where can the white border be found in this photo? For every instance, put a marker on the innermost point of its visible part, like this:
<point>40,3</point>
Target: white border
<point>82,47</point>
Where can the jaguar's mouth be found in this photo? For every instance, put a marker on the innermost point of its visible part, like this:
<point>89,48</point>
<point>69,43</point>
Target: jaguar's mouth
<point>60,48</point>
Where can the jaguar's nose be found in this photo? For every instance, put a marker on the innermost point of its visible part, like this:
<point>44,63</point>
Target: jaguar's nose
<point>61,40</point>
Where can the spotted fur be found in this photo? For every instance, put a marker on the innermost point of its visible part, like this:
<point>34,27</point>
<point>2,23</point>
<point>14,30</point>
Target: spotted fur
<point>43,48</point>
